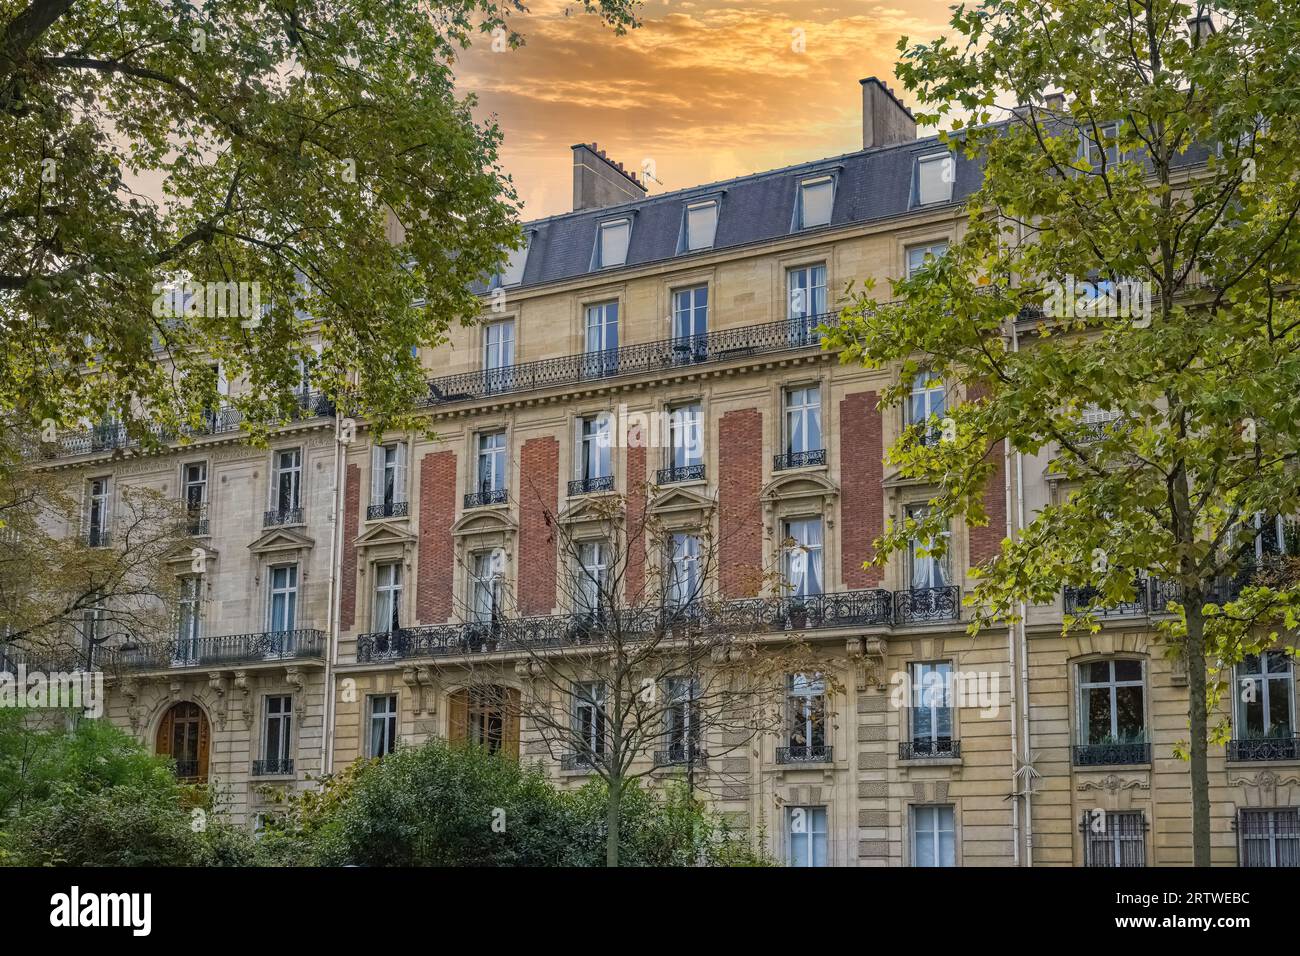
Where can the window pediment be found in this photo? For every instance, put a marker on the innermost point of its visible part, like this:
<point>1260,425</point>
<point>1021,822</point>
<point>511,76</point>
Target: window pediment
<point>385,533</point>
<point>281,539</point>
<point>804,485</point>
<point>484,522</point>
<point>676,500</point>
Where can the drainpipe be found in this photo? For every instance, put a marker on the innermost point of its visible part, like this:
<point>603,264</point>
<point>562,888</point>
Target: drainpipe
<point>1024,650</point>
<point>1011,664</point>
<point>332,611</point>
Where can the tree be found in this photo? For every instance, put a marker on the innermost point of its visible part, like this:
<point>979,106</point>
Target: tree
<point>1167,169</point>
<point>312,152</point>
<point>648,671</point>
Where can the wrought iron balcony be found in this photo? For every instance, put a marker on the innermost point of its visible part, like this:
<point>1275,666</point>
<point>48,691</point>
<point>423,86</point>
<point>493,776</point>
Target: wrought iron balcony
<point>1080,599</point>
<point>590,486</point>
<point>660,356</point>
<point>300,644</point>
<point>923,748</point>
<point>927,605</point>
<point>65,660</point>
<point>282,516</point>
<point>196,518</point>
<point>273,768</point>
<point>799,459</point>
<point>808,753</point>
<point>389,509</point>
<point>488,496</point>
<point>187,771</point>
<point>1103,755</point>
<point>1264,748</point>
<point>98,538</point>
<point>857,609</point>
<point>679,755</point>
<point>671,476</point>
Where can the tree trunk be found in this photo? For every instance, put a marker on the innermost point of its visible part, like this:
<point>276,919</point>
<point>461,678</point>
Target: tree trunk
<point>1198,728</point>
<point>612,816</point>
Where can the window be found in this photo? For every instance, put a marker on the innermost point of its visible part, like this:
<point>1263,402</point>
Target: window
<point>286,486</point>
<point>802,564</point>
<point>934,176</point>
<point>487,718</point>
<point>700,224</point>
<point>189,619</point>
<point>925,568</point>
<point>194,494</point>
<point>282,613</point>
<point>681,719</point>
<point>592,576</point>
<point>806,719</point>
<point>1265,697</point>
<point>589,719</point>
<point>601,344</point>
<point>594,459</point>
<point>1100,144</point>
<point>383,724</point>
<point>611,243</point>
<point>931,710</point>
<point>498,354</point>
<point>816,197</point>
<point>807,829</point>
<point>388,596</point>
<point>513,273</point>
<point>929,400</point>
<point>1274,535</point>
<point>683,570</point>
<point>1269,837</point>
<point>806,300</point>
<point>803,426</point>
<point>491,477</point>
<point>917,256</point>
<point>686,438</point>
<point>690,324</point>
<point>933,837</point>
<point>277,734</point>
<point>1111,705</point>
<point>387,480</point>
<point>1114,838</point>
<point>486,576</point>
<point>99,495</point>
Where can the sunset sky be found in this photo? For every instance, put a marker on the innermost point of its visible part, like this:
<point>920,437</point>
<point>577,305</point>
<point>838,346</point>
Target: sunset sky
<point>706,89</point>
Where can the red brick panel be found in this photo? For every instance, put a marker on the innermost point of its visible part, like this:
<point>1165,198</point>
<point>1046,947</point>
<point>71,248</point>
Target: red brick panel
<point>634,576</point>
<point>862,495</point>
<point>539,490</point>
<point>986,540</point>
<point>434,600</point>
<point>351,528</point>
<point>740,520</point>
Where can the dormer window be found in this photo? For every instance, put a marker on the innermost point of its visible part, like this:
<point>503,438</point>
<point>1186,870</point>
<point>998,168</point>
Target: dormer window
<point>1107,150</point>
<point>513,273</point>
<point>816,197</point>
<point>934,176</point>
<point>611,243</point>
<point>700,225</point>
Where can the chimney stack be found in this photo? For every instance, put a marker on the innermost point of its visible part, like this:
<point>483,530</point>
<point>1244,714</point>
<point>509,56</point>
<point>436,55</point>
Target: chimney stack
<point>1202,27</point>
<point>885,119</point>
<point>1054,102</point>
<point>599,181</point>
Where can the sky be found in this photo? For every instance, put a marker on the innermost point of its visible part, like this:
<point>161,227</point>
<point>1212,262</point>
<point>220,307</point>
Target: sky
<point>703,90</point>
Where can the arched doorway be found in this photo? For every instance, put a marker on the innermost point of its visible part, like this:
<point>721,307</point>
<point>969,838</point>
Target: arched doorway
<point>183,735</point>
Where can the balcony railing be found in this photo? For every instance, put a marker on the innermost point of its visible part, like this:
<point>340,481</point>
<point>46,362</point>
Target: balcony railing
<point>98,538</point>
<point>389,509</point>
<point>44,660</point>
<point>301,644</point>
<point>273,768</point>
<point>808,753</point>
<point>799,459</point>
<point>671,476</point>
<point>282,516</point>
<point>1079,599</point>
<point>576,762</point>
<point>1264,748</point>
<point>925,749</point>
<point>590,486</point>
<point>680,755</point>
<point>488,496</point>
<point>187,771</point>
<point>927,605</point>
<point>196,519</point>
<point>663,355</point>
<point>1104,755</point>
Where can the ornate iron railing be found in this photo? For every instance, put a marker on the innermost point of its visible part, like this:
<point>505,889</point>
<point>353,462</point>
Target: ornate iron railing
<point>187,770</point>
<point>389,509</point>
<point>808,753</point>
<point>1103,755</point>
<point>865,608</point>
<point>927,749</point>
<point>588,486</point>
<point>273,768</point>
<point>196,519</point>
<point>489,496</point>
<point>665,354</point>
<point>45,660</point>
<point>98,538</point>
<point>927,605</point>
<point>281,516</point>
<point>1264,748</point>
<point>300,644</point>
<point>680,754</point>
<point>670,476</point>
<point>1080,599</point>
<point>799,459</point>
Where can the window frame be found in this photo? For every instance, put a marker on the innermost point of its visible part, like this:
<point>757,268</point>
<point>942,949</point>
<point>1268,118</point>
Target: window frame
<point>1112,685</point>
<point>933,832</point>
<point>814,556</point>
<point>811,814</point>
<point>694,205</point>
<point>387,724</point>
<point>815,181</point>
<point>806,412</point>
<point>387,593</point>
<point>278,471</point>
<point>282,722</point>
<point>1264,678</point>
<point>806,712</point>
<point>599,253</point>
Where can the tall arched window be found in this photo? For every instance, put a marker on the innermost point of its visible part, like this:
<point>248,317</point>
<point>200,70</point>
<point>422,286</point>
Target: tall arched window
<point>184,735</point>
